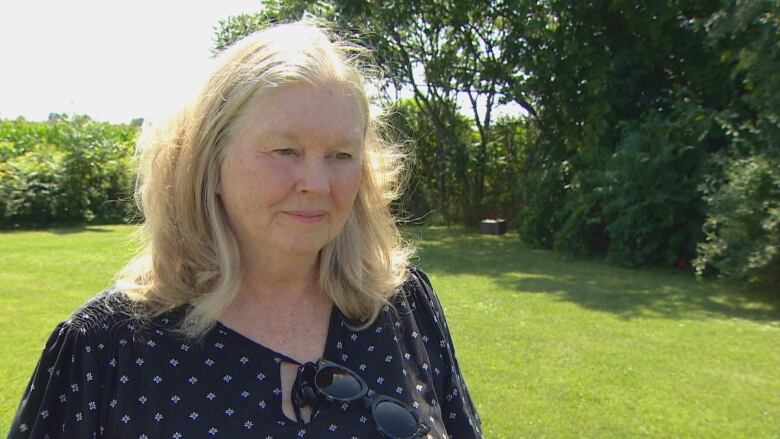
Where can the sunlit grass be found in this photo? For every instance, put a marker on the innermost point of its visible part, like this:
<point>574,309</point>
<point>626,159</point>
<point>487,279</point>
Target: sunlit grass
<point>550,347</point>
<point>44,276</point>
<point>576,348</point>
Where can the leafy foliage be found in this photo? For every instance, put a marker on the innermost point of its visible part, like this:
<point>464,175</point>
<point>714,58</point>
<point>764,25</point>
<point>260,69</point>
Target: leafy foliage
<point>742,227</point>
<point>743,224</point>
<point>442,172</point>
<point>31,186</point>
<point>71,170</point>
<point>653,207</point>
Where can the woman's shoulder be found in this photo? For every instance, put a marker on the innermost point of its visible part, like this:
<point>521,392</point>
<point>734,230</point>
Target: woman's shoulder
<point>416,288</point>
<point>98,313</point>
<point>417,299</point>
<point>110,315</point>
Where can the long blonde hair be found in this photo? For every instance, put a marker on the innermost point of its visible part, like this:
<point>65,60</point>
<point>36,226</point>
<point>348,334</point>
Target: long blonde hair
<point>191,257</point>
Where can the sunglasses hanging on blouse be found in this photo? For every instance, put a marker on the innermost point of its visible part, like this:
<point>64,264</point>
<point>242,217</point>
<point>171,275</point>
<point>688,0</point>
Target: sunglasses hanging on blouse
<point>326,382</point>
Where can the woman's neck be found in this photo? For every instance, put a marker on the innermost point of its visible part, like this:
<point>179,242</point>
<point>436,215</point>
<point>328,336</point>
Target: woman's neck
<point>279,279</point>
<point>277,293</point>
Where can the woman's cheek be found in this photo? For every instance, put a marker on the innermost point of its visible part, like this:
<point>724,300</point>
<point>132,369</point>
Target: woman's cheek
<point>350,184</point>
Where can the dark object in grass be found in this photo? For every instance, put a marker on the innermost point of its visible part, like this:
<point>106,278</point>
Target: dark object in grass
<point>493,226</point>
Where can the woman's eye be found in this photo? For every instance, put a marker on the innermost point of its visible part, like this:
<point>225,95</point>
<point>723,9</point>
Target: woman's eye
<point>284,151</point>
<point>343,156</point>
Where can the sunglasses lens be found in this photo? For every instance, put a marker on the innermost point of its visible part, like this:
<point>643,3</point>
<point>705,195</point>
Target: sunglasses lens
<point>337,383</point>
<point>395,420</point>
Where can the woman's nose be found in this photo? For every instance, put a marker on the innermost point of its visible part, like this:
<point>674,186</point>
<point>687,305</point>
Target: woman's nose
<point>314,177</point>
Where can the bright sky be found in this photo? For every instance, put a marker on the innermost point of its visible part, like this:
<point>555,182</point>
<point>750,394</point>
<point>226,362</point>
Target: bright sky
<point>114,60</point>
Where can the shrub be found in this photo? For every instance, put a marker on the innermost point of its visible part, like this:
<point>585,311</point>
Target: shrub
<point>582,230</point>
<point>654,210</point>
<point>31,188</point>
<point>743,224</point>
<point>69,170</point>
<point>543,195</point>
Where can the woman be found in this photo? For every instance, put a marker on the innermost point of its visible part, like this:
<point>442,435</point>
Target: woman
<point>275,298</point>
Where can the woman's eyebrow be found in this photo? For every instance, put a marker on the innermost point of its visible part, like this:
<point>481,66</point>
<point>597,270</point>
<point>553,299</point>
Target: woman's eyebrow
<point>345,140</point>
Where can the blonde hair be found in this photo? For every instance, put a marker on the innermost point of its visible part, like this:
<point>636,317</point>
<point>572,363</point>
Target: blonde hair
<point>191,257</point>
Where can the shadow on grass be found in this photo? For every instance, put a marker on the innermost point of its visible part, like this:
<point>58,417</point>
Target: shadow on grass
<point>64,230</point>
<point>80,229</point>
<point>627,293</point>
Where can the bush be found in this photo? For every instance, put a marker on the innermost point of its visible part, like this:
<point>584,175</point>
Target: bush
<point>743,225</point>
<point>31,188</point>
<point>96,167</point>
<point>742,228</point>
<point>71,170</point>
<point>543,194</point>
<point>582,230</point>
<point>655,210</point>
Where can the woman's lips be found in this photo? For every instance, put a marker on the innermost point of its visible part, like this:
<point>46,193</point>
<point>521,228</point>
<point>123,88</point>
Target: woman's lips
<point>307,217</point>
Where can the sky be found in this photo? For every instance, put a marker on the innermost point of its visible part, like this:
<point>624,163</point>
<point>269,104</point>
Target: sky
<point>114,60</point>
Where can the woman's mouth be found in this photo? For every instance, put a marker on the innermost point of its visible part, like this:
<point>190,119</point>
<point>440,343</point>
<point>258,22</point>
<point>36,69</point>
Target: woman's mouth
<point>307,217</point>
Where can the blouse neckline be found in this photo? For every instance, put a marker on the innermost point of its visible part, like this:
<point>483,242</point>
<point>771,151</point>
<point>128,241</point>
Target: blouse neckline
<point>335,324</point>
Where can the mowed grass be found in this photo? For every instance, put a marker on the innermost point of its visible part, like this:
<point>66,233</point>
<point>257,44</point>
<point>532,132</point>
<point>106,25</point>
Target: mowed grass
<point>550,347</point>
<point>44,276</point>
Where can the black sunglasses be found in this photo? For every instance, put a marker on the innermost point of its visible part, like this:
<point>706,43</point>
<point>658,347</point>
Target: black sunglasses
<point>327,382</point>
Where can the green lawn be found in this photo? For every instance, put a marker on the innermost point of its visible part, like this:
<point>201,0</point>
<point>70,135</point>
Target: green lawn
<point>550,347</point>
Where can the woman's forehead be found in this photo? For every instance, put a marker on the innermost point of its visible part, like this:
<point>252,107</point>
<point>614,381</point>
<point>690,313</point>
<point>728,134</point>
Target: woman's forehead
<point>297,112</point>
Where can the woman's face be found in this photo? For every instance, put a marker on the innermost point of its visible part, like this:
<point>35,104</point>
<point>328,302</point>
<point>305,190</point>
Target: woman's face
<point>290,178</point>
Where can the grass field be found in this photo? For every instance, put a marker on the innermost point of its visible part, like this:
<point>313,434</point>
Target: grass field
<point>550,347</point>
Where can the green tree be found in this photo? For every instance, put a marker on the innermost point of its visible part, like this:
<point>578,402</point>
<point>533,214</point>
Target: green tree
<point>604,75</point>
<point>742,226</point>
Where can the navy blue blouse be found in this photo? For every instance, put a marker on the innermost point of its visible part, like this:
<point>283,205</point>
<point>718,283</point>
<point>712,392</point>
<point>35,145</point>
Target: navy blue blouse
<point>103,374</point>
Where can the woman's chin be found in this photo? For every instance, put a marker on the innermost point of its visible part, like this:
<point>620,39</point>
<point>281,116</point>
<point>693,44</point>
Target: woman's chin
<point>300,249</point>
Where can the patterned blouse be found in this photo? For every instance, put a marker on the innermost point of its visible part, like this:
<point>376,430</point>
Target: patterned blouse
<point>102,374</point>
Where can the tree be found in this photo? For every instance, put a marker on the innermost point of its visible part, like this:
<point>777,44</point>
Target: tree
<point>604,75</point>
<point>742,226</point>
